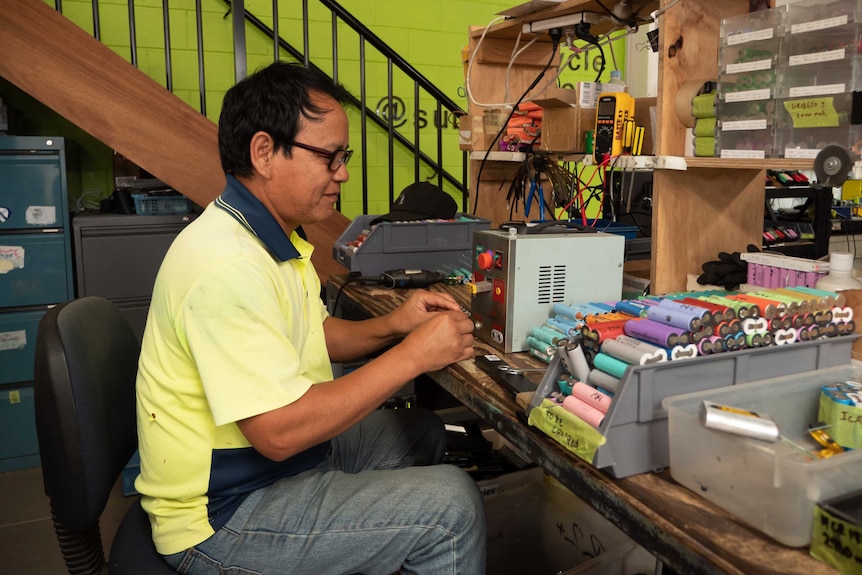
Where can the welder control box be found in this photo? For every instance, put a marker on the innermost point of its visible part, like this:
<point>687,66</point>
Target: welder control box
<point>518,276</point>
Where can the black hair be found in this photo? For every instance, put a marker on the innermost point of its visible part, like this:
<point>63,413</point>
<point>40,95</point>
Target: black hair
<point>270,100</point>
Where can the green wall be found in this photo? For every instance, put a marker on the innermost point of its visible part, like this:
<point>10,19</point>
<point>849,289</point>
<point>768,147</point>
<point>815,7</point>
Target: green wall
<point>429,38</point>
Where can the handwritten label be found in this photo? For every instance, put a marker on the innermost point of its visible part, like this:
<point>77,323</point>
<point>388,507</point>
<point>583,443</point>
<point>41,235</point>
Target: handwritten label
<point>823,90</point>
<point>10,340</point>
<point>743,125</point>
<point>41,215</point>
<point>801,153</point>
<point>749,95</point>
<point>812,113</point>
<point>11,257</point>
<point>816,57</point>
<point>818,24</point>
<point>752,66</point>
<point>837,542</point>
<point>743,154</point>
<point>567,429</point>
<point>845,419</point>
<point>745,37</point>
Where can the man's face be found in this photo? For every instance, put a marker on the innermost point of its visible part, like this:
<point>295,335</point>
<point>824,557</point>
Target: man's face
<point>302,189</point>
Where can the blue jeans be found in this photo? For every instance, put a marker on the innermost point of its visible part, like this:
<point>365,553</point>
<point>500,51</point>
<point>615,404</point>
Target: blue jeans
<point>378,504</point>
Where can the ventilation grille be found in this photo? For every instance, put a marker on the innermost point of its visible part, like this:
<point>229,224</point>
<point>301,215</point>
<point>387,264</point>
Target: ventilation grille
<point>551,286</point>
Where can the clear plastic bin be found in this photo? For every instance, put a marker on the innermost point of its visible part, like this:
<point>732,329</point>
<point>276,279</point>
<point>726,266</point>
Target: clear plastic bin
<point>771,486</point>
<point>745,139</point>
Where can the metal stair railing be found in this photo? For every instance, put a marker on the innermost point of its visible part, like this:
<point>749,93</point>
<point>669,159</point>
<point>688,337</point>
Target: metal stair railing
<point>384,121</point>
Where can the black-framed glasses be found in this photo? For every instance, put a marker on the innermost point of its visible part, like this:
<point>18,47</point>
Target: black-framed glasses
<point>336,157</point>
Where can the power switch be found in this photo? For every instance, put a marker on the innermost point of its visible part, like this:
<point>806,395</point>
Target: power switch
<point>485,260</point>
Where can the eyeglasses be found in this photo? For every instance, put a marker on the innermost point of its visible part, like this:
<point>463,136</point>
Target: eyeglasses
<point>336,158</point>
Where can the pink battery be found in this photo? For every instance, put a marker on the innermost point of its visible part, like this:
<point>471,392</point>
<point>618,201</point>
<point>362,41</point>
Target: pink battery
<point>585,411</point>
<point>591,396</point>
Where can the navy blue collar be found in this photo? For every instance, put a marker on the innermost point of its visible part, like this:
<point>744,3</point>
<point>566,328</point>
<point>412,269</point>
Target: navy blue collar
<point>247,210</point>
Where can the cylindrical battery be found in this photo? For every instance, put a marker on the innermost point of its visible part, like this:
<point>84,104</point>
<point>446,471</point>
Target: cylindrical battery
<point>657,333</point>
<point>577,361</point>
<point>705,315</point>
<point>610,365</point>
<point>604,380</point>
<point>633,351</point>
<point>676,317</point>
<point>738,421</point>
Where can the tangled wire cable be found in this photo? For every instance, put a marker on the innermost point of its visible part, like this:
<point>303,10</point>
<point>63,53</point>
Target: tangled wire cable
<point>527,185</point>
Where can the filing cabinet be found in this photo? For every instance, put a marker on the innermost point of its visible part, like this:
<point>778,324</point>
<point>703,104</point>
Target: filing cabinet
<point>36,272</point>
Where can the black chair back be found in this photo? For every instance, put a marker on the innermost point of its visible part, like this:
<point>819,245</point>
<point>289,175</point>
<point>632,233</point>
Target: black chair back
<point>85,369</point>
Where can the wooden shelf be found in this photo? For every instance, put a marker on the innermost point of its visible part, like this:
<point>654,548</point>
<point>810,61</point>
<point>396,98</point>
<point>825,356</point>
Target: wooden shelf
<point>745,164</point>
<point>510,28</point>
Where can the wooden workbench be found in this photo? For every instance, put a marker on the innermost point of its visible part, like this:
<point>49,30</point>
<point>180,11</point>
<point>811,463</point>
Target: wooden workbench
<point>688,533</point>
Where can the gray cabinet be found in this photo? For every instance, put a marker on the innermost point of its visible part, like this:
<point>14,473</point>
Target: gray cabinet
<point>118,256</point>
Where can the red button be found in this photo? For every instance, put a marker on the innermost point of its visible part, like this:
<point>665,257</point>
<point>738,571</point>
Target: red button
<point>485,260</point>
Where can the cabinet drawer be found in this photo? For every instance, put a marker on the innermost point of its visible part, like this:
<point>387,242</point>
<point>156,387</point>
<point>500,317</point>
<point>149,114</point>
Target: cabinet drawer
<point>18,345</point>
<point>34,269</point>
<point>31,192</point>
<point>19,447</point>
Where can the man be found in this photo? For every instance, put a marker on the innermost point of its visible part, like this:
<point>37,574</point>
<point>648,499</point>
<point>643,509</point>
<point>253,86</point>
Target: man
<point>253,458</point>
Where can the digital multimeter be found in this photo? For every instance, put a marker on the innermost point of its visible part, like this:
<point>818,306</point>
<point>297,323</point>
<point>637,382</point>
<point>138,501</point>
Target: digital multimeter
<point>613,110</point>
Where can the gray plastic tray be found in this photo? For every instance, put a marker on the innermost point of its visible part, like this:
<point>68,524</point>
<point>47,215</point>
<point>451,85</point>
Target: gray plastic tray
<point>635,425</point>
<point>431,245</point>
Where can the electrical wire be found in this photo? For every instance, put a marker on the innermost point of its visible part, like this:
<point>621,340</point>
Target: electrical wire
<point>556,43</point>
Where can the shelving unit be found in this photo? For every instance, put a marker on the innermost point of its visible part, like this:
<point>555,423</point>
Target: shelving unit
<point>709,206</point>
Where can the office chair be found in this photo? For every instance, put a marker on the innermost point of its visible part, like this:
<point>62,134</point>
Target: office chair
<point>84,390</point>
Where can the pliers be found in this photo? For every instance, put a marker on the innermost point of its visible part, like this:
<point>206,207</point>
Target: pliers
<point>536,190</point>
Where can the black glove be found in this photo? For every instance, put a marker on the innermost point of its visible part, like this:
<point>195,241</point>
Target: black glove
<point>730,270</point>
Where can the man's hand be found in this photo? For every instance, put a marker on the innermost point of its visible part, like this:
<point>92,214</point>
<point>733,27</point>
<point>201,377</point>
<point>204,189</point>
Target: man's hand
<point>442,340</point>
<point>421,306</point>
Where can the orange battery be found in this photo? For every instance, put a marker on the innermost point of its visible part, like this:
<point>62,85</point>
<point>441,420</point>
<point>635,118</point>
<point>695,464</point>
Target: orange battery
<point>608,316</point>
<point>768,308</point>
<point>804,319</point>
<point>594,334</point>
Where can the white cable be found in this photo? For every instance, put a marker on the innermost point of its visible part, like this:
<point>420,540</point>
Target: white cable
<point>655,14</point>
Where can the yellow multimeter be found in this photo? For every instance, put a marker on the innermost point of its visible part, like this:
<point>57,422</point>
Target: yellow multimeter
<point>613,110</point>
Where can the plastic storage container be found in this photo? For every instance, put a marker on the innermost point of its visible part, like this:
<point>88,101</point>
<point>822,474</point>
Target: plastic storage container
<point>150,204</point>
<point>432,245</point>
<point>634,431</point>
<point>840,273</point>
<point>771,486</point>
<point>748,57</point>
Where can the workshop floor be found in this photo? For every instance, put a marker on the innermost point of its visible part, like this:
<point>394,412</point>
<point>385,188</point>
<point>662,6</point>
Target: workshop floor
<point>27,542</point>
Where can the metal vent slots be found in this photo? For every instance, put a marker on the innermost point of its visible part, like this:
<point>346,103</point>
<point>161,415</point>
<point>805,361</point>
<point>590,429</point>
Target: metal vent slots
<point>551,284</point>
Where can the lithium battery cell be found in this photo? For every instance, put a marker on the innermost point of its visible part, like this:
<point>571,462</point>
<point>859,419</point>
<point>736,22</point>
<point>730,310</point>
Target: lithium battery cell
<point>604,380</point>
<point>634,351</point>
<point>676,317</point>
<point>657,333</point>
<point>703,314</point>
<point>743,422</point>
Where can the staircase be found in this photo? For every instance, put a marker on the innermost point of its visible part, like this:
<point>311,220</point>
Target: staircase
<point>56,62</point>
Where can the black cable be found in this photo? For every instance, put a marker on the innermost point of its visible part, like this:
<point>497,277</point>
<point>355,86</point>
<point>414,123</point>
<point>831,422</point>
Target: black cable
<point>350,280</point>
<point>556,34</point>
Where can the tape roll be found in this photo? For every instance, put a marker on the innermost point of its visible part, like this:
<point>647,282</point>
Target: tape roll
<point>832,166</point>
<point>683,101</point>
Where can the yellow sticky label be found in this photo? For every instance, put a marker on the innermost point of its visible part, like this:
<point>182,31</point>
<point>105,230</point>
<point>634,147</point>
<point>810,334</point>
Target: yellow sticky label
<point>836,542</point>
<point>14,396</point>
<point>845,421</point>
<point>567,429</point>
<point>812,112</point>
